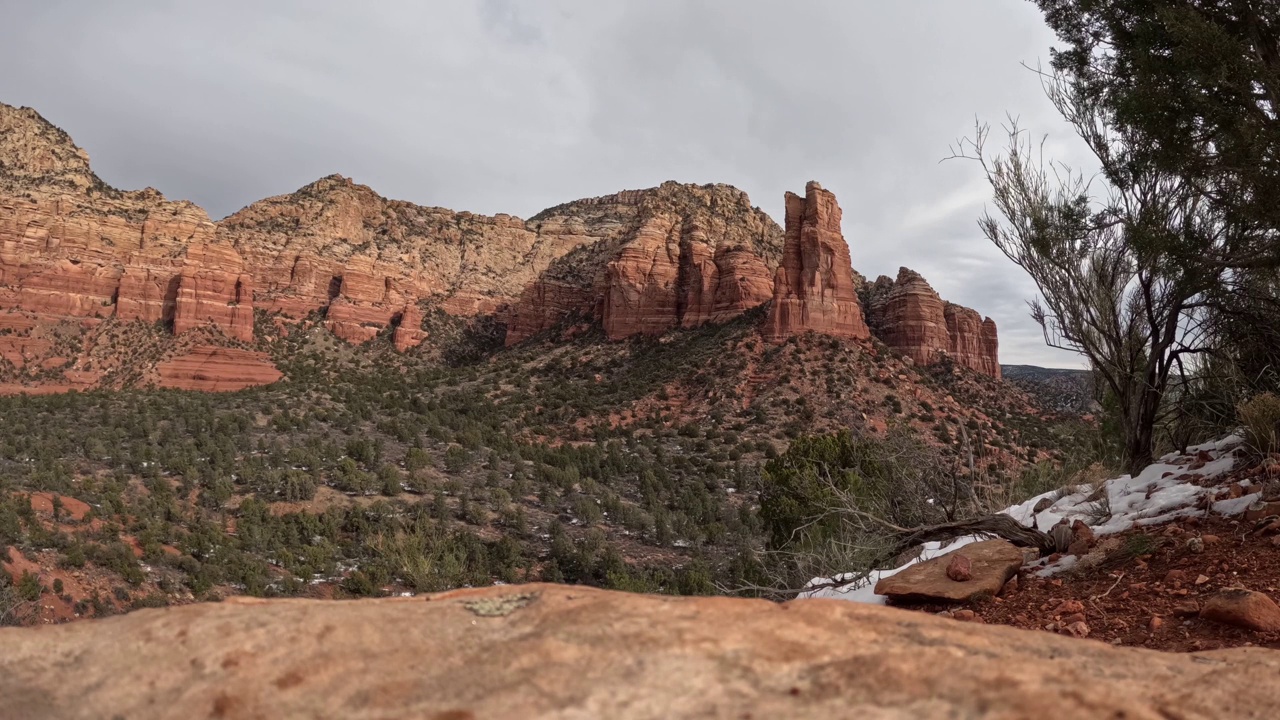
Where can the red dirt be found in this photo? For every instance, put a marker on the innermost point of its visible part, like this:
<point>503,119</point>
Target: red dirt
<point>1119,599</point>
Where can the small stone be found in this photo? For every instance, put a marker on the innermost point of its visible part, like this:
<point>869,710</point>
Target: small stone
<point>1175,576</point>
<point>1078,629</point>
<point>1069,607</point>
<point>964,615</point>
<point>1155,623</point>
<point>1073,619</point>
<point>1081,532</point>
<point>1079,548</point>
<point>1051,627</point>
<point>1186,608</point>
<point>1202,579</point>
<point>960,568</point>
<point>1210,540</point>
<point>1243,608</point>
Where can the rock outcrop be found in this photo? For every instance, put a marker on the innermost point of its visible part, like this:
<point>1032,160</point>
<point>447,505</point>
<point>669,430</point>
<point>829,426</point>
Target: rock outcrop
<point>641,261</point>
<point>813,288</point>
<point>989,363</point>
<point>216,369</point>
<point>409,333</point>
<point>675,256</point>
<point>908,315</point>
<point>548,651</point>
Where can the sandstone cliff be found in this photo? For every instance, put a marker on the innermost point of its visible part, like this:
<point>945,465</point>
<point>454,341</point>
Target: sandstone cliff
<point>909,316</point>
<point>75,250</point>
<point>813,288</point>
<point>549,651</point>
<point>672,256</point>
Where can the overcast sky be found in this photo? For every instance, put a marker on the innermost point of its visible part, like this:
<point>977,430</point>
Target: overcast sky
<point>516,105</point>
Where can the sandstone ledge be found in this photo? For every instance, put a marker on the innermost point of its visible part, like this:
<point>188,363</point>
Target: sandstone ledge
<point>573,652</point>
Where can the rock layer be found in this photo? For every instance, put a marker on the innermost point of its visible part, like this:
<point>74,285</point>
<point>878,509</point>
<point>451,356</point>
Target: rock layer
<point>909,318</point>
<point>216,369</point>
<point>550,651</point>
<point>813,288</point>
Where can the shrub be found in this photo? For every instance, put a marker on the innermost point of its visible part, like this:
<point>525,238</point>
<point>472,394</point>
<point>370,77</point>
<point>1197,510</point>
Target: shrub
<point>1260,416</point>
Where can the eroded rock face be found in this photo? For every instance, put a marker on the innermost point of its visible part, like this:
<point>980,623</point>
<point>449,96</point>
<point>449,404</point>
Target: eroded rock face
<point>813,288</point>
<point>605,655</point>
<point>214,289</point>
<point>72,247</point>
<point>990,362</point>
<point>909,316</point>
<point>652,261</point>
<point>409,333</point>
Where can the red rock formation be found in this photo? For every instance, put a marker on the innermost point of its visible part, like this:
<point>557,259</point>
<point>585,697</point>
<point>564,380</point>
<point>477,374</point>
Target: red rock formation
<point>990,363</point>
<point>908,316</point>
<point>973,340</point>
<point>409,333</point>
<point>813,289</point>
<point>545,304</point>
<point>652,261</point>
<point>964,328</point>
<point>910,319</point>
<point>216,369</point>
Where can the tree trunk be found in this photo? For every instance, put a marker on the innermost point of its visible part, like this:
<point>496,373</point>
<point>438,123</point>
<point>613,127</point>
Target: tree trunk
<point>1139,441</point>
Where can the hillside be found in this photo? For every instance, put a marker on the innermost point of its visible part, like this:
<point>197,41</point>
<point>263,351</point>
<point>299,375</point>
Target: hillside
<point>1065,390</point>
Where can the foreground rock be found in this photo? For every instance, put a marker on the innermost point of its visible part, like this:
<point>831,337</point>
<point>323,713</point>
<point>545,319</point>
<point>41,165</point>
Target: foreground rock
<point>549,651</point>
<point>988,566</point>
<point>1243,608</point>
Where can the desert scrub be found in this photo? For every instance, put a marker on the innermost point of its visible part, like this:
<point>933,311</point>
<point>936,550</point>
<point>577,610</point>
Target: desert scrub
<point>1260,416</point>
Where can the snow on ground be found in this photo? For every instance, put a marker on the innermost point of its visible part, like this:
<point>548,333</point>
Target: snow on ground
<point>1164,491</point>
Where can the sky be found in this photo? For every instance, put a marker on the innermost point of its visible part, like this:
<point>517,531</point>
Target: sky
<point>516,105</point>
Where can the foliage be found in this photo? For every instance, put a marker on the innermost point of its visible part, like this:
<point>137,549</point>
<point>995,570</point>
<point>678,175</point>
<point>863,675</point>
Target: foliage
<point>1178,100</point>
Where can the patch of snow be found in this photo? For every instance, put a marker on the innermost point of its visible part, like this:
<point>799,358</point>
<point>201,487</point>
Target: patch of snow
<point>1062,565</point>
<point>1163,491</point>
<point>1230,508</point>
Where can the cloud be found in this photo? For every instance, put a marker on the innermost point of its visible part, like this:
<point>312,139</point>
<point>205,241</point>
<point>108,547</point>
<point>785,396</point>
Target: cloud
<point>505,106</point>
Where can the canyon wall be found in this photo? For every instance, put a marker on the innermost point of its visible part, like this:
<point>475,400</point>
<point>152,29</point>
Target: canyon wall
<point>74,250</point>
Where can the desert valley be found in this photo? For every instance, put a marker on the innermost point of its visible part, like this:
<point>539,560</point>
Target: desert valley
<point>656,453</point>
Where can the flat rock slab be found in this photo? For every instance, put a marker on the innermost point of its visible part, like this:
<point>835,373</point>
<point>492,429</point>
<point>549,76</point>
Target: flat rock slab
<point>992,563</point>
<point>554,651</point>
